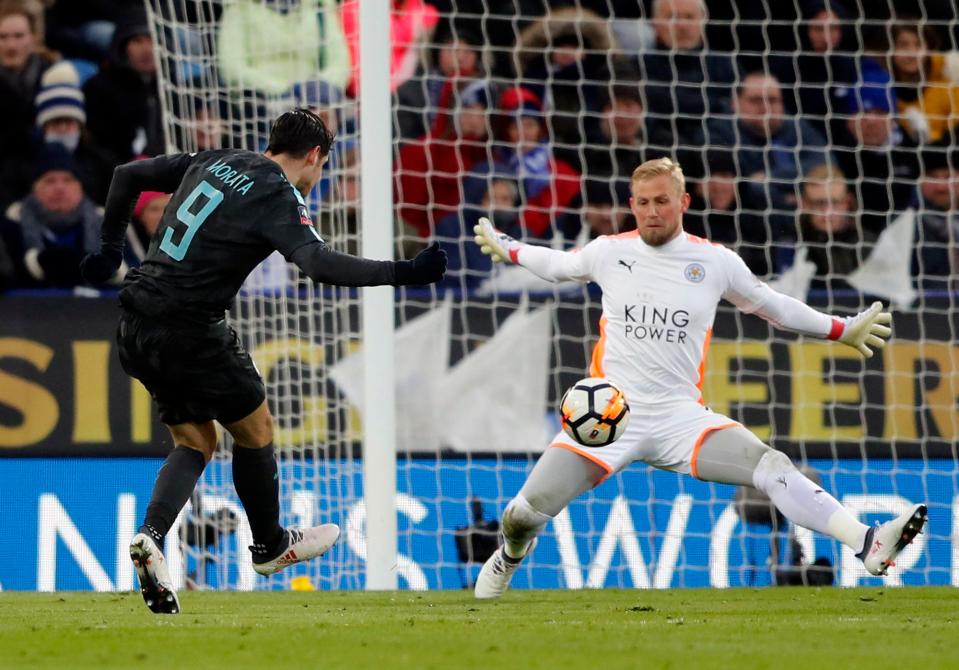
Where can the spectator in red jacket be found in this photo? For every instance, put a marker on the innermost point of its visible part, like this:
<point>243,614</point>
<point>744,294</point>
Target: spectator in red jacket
<point>411,24</point>
<point>455,63</point>
<point>547,185</point>
<point>430,168</point>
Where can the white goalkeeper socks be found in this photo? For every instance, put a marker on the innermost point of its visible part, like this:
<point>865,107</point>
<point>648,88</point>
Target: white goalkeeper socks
<point>521,523</point>
<point>805,503</point>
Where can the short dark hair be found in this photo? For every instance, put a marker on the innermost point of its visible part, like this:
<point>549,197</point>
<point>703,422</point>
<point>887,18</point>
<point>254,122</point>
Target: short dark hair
<point>298,131</point>
<point>622,91</point>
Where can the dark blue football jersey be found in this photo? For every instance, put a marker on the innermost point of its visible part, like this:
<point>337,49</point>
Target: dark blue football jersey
<point>232,208</point>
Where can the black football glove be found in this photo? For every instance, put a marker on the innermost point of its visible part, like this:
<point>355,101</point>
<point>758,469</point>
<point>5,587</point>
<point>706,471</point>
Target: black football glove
<point>427,267</point>
<point>100,267</point>
<point>61,265</point>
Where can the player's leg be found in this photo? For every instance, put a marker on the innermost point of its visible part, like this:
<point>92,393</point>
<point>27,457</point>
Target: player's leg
<point>255,475</point>
<point>559,477</point>
<point>195,444</point>
<point>153,353</point>
<point>736,456</point>
<point>257,483</point>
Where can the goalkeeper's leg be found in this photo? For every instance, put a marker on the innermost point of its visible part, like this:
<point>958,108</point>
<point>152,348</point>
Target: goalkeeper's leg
<point>736,456</point>
<point>558,477</point>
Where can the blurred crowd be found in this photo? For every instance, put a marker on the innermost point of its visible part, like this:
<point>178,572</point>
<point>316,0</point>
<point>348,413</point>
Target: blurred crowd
<point>814,134</point>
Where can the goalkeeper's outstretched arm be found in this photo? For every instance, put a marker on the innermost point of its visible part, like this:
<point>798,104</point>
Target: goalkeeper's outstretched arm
<point>864,332</point>
<point>549,264</point>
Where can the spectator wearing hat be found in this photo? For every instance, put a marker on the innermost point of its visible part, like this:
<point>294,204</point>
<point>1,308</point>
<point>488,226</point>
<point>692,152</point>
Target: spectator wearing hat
<point>881,160</point>
<point>429,169</point>
<point>455,63</point>
<point>61,119</point>
<point>122,100</point>
<point>58,224</point>
<point>935,261</point>
<point>146,219</point>
<point>83,28</point>
<point>547,185</point>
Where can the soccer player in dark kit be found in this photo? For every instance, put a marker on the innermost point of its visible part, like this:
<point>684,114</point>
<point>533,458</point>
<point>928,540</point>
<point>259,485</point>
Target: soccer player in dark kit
<point>230,210</point>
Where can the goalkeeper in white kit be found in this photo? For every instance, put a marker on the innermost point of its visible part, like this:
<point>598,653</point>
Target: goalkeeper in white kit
<point>661,287</point>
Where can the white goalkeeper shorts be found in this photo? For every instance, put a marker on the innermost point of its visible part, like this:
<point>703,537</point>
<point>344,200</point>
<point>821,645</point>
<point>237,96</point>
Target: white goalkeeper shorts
<point>669,440</point>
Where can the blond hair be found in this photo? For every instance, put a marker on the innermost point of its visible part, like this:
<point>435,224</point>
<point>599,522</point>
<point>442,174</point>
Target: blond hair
<point>658,167</point>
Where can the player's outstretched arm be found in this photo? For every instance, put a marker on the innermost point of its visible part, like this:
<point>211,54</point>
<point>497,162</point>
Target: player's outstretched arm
<point>865,331</point>
<point>549,264</point>
<point>164,174</point>
<point>323,265</point>
<point>496,244</point>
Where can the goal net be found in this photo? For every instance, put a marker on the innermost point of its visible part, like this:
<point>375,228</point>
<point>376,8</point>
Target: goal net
<point>817,141</point>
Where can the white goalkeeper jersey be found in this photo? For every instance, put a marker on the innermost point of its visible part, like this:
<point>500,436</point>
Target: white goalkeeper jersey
<point>659,304</point>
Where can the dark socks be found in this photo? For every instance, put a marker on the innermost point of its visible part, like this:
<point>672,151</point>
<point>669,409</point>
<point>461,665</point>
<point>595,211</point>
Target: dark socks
<point>174,485</point>
<point>257,483</point>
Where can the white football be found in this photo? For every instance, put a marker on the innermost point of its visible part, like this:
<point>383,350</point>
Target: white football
<point>594,412</point>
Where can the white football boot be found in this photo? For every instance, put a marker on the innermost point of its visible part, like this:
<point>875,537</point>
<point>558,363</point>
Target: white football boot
<point>155,584</point>
<point>497,571</point>
<point>303,545</point>
<point>884,542</point>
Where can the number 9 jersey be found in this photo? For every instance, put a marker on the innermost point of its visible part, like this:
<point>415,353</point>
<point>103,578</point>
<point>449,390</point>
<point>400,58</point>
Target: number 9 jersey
<point>232,209</point>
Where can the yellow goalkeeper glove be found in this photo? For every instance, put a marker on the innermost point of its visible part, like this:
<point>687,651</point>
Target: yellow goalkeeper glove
<point>495,243</point>
<point>866,329</point>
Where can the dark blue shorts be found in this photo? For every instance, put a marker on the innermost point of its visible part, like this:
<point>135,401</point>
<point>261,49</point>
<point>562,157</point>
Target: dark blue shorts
<point>193,375</point>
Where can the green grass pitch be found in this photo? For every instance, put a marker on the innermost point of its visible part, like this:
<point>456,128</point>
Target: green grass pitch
<point>776,628</point>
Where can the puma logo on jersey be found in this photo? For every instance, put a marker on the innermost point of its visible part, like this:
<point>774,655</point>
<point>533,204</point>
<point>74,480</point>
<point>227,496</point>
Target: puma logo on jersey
<point>628,266</point>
